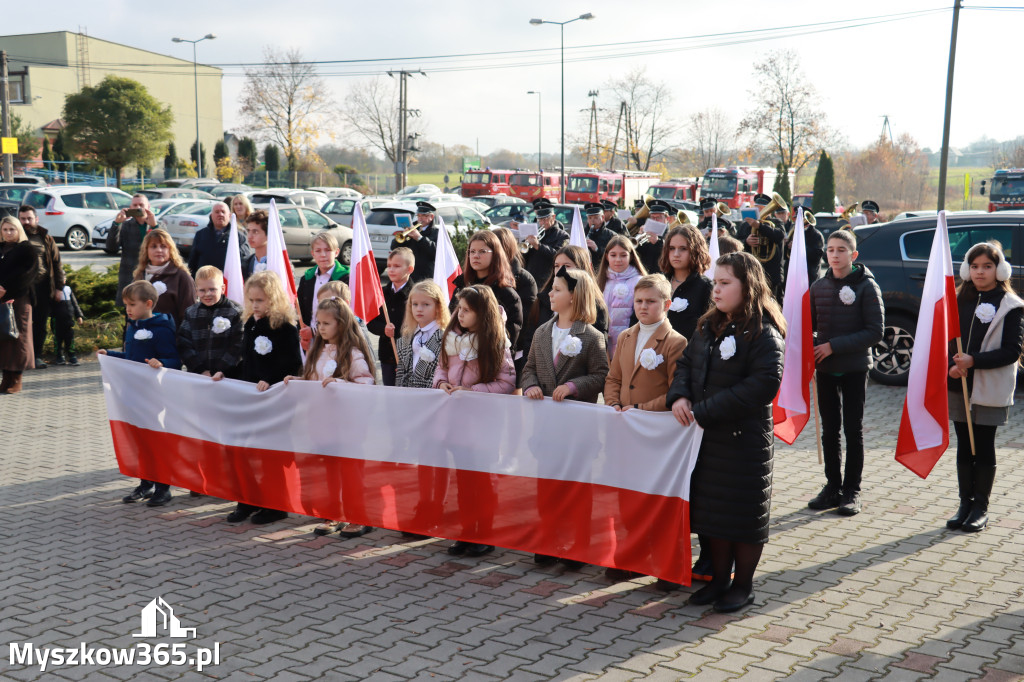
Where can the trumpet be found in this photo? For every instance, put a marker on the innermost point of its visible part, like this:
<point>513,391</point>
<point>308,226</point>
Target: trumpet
<point>524,248</point>
<point>641,213</point>
<point>404,236</point>
<point>809,219</point>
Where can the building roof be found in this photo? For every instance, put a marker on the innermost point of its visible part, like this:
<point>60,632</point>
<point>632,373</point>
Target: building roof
<point>54,126</point>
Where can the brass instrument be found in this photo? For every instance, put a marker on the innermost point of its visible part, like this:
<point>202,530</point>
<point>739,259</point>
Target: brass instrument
<point>766,252</point>
<point>845,216</point>
<point>809,219</point>
<point>680,218</point>
<point>633,229</point>
<point>722,209</point>
<point>404,236</point>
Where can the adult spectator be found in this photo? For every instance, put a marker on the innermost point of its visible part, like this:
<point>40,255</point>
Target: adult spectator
<point>49,283</point>
<point>210,245</point>
<point>18,265</point>
<point>161,265</point>
<point>242,209</point>
<point>129,229</point>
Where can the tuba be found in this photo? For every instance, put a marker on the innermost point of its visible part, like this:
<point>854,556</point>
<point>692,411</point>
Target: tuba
<point>845,216</point>
<point>633,229</point>
<point>680,218</point>
<point>722,209</point>
<point>766,252</point>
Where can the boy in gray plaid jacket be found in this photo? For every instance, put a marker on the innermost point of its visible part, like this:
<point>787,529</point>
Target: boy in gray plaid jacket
<point>210,336</point>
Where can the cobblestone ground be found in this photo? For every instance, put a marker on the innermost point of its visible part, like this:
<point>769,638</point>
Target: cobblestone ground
<point>888,594</point>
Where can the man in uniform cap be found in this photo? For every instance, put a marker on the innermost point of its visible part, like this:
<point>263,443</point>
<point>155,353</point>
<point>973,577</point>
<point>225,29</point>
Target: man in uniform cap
<point>767,243</point>
<point>596,233</point>
<point>650,251</point>
<point>611,221</point>
<point>422,241</point>
<point>708,206</point>
<point>539,260</point>
<point>870,210</point>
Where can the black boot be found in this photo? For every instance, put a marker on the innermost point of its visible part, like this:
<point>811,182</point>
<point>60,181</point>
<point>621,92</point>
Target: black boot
<point>965,480</point>
<point>984,477</point>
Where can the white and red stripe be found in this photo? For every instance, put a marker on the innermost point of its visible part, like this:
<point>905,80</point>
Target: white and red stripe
<point>568,479</point>
<point>924,427</point>
<point>234,286</point>
<point>446,264</point>
<point>364,280</point>
<point>277,252</point>
<point>577,236</point>
<point>792,406</point>
<point>713,247</point>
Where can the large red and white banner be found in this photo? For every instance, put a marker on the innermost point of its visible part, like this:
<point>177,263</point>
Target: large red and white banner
<point>570,479</point>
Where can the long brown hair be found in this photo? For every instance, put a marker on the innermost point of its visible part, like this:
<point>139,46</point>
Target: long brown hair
<point>700,258</point>
<point>758,301</point>
<point>490,330</point>
<point>500,272</point>
<point>509,243</point>
<point>993,251</point>
<point>634,259</point>
<point>161,235</point>
<point>351,338</point>
<point>581,260</point>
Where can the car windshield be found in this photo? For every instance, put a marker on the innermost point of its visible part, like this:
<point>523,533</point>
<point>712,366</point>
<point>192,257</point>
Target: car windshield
<point>339,206</point>
<point>480,178</point>
<point>383,217</point>
<point>720,185</point>
<point>802,201</point>
<point>662,192</point>
<point>1008,188</point>
<point>526,180</point>
<point>577,184</point>
<point>265,199</point>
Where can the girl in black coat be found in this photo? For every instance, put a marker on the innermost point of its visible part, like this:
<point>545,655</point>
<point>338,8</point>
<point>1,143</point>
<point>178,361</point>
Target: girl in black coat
<point>725,381</point>
<point>486,264</point>
<point>526,287</point>
<point>684,260</point>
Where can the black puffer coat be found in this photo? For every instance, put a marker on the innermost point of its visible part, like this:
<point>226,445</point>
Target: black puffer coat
<point>731,486</point>
<point>853,327</point>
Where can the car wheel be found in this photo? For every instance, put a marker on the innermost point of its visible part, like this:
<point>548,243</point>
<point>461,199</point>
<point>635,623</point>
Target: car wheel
<point>346,253</point>
<point>892,354</point>
<point>76,239</point>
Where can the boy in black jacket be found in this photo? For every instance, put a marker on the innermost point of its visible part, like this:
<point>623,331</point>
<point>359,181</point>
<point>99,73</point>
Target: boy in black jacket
<point>210,335</point>
<point>401,263</point>
<point>848,318</point>
<point>65,312</point>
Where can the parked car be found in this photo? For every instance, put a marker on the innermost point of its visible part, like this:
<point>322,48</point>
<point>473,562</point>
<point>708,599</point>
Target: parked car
<point>806,199</point>
<point>299,197</point>
<point>69,213</point>
<point>300,223</point>
<point>381,224</point>
<point>30,180</point>
<point>14,192</point>
<point>897,254</point>
<point>160,208</point>
<point>229,189</point>
<point>338,192</point>
<point>175,193</point>
<point>418,189</point>
<point>184,220</point>
<point>341,210</point>
<point>493,200</point>
<point>502,213</point>
<point>188,182</point>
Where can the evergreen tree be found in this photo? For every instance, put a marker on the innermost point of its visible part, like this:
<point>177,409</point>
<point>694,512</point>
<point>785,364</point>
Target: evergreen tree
<point>207,171</point>
<point>271,158</point>
<point>58,148</point>
<point>220,151</point>
<point>782,183</point>
<point>824,200</point>
<point>171,160</point>
<point>47,154</point>
<point>247,152</point>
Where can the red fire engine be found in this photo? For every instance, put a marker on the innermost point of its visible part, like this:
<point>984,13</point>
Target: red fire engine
<point>486,181</point>
<point>532,185</point>
<point>1007,190</point>
<point>677,189</point>
<point>623,187</point>
<point>736,185</point>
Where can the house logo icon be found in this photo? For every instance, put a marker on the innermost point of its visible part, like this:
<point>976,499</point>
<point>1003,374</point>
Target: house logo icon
<point>158,620</point>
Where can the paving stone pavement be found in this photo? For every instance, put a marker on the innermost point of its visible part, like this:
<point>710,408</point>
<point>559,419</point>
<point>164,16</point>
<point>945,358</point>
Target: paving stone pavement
<point>886,595</point>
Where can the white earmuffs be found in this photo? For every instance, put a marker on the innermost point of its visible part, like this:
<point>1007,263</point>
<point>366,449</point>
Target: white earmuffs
<point>1003,270</point>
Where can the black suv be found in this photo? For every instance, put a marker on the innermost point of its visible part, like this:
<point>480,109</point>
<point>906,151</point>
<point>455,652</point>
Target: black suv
<point>897,254</point>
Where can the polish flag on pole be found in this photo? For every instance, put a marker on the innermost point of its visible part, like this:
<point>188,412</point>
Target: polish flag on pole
<point>446,264</point>
<point>713,248</point>
<point>234,286</point>
<point>364,282</point>
<point>277,252</point>
<point>577,237</point>
<point>924,428</point>
<point>792,406</point>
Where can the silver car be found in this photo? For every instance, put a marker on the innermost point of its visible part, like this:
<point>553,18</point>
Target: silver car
<point>299,224</point>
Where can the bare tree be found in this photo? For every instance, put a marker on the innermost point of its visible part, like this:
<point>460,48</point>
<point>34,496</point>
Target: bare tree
<point>371,113</point>
<point>711,137</point>
<point>285,102</point>
<point>647,127</point>
<point>785,120</point>
<point>1011,154</point>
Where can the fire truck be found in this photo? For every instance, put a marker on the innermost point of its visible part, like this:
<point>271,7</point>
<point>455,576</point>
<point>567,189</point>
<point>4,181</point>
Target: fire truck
<point>736,185</point>
<point>532,185</point>
<point>1006,191</point>
<point>677,189</point>
<point>486,181</point>
<point>621,186</point>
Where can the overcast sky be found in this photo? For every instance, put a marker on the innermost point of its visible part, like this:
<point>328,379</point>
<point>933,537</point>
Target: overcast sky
<point>896,68</point>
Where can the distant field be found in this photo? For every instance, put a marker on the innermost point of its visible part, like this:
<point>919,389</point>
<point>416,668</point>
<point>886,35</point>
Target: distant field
<point>432,179</point>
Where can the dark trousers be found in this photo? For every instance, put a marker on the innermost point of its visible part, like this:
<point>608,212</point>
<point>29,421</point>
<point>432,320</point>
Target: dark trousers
<point>388,374</point>
<point>984,445</point>
<point>63,336</point>
<point>841,402</point>
<point>41,318</point>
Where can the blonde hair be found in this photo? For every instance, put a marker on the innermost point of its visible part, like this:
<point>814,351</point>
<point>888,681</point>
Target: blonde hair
<point>325,237</point>
<point>280,311</point>
<point>584,296</point>
<point>351,338</point>
<point>431,290</point>
<point>634,259</point>
<point>140,290</point>
<point>211,272</point>
<point>158,234</point>
<point>336,288</point>
<point>245,202</point>
<point>405,253</point>
<point>658,282</point>
<point>22,237</point>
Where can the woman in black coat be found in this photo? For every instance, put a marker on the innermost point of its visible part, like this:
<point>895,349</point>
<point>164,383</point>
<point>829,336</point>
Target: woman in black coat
<point>18,264</point>
<point>486,264</point>
<point>526,287</point>
<point>725,381</point>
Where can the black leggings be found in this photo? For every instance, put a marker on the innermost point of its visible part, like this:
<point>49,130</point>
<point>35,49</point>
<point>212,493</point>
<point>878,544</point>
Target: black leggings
<point>984,445</point>
<point>745,554</point>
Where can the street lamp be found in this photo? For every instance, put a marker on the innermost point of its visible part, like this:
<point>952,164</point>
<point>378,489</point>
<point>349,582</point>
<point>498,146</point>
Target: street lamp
<point>537,22</point>
<point>195,73</point>
<point>540,169</point>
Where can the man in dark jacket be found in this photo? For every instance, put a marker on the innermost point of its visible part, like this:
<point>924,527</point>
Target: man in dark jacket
<point>128,230</point>
<point>767,245</point>
<point>848,318</point>
<point>210,245</point>
<point>422,241</point>
<point>611,221</point>
<point>49,280</point>
<point>596,233</point>
<point>709,206</point>
<point>539,260</point>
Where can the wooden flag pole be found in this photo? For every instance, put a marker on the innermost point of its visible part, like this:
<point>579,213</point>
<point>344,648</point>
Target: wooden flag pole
<point>817,419</point>
<point>391,338</point>
<point>967,399</point>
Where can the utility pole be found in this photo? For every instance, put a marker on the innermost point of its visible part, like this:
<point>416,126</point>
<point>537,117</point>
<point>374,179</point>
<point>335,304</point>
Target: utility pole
<point>943,164</point>
<point>618,127</point>
<point>5,110</point>
<point>401,152</point>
